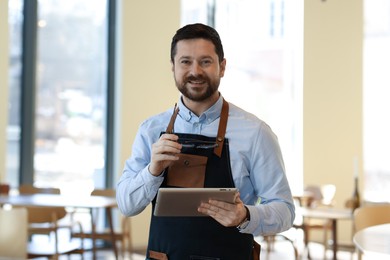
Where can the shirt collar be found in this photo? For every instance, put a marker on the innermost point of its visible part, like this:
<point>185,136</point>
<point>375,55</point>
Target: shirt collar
<point>206,117</point>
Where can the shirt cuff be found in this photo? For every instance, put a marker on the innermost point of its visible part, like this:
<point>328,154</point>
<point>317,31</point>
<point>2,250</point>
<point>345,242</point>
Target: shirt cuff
<point>151,181</point>
<point>253,222</point>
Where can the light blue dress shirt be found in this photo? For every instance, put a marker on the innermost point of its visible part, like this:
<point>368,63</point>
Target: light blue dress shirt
<point>256,162</point>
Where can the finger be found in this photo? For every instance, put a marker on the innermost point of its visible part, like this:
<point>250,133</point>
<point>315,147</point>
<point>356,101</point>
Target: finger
<point>237,198</point>
<point>165,157</point>
<point>213,210</point>
<point>222,204</point>
<point>208,209</point>
<point>225,213</point>
<point>166,149</point>
<point>171,137</point>
<point>165,146</point>
<point>219,214</point>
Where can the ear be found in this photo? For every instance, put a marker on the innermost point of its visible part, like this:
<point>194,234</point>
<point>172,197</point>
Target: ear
<point>172,66</point>
<point>222,67</point>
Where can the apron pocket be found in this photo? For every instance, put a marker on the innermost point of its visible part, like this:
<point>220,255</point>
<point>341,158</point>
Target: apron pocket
<point>187,172</point>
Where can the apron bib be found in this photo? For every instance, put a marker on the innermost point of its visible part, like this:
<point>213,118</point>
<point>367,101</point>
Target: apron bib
<point>204,162</point>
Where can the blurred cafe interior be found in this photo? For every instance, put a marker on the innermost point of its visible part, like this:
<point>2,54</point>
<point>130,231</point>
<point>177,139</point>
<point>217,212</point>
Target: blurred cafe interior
<point>77,78</point>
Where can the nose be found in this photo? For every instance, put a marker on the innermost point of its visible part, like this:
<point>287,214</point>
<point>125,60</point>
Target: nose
<point>195,69</point>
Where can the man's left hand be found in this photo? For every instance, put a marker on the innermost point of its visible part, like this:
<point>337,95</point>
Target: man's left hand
<point>227,214</point>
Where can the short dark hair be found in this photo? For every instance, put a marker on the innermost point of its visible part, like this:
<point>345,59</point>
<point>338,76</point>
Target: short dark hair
<point>195,31</point>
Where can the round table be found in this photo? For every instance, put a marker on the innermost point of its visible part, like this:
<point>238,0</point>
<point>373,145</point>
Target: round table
<point>374,241</point>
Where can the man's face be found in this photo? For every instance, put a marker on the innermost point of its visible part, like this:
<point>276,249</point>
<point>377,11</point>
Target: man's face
<point>197,70</point>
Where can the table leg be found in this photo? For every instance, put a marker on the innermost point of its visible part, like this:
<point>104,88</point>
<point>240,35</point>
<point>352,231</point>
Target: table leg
<point>334,238</point>
<point>93,231</point>
<point>306,239</point>
<point>112,231</point>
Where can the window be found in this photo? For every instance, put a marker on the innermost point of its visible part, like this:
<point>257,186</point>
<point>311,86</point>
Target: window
<point>263,47</point>
<point>70,99</point>
<point>15,21</point>
<point>376,95</point>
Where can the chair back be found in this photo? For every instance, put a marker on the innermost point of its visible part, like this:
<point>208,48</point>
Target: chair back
<point>4,189</point>
<point>103,192</point>
<point>321,195</point>
<point>31,189</point>
<point>368,216</point>
<point>13,233</point>
<point>42,214</point>
<point>45,214</point>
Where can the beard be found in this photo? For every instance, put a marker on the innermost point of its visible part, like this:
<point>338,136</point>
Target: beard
<point>200,94</point>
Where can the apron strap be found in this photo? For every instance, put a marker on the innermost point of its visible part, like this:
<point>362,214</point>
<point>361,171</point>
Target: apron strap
<point>172,121</point>
<point>221,128</point>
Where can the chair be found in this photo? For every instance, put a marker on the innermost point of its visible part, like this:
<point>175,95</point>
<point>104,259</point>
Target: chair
<point>270,240</point>
<point>320,196</point>
<point>124,235</point>
<point>368,216</point>
<point>286,236</point>
<point>13,233</point>
<point>46,221</point>
<point>4,189</point>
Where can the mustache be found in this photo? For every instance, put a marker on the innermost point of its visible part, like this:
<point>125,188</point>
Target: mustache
<point>194,78</point>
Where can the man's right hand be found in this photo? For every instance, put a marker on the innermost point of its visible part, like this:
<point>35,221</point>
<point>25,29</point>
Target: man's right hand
<point>164,153</point>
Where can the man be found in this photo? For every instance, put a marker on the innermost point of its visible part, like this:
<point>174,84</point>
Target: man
<point>241,151</point>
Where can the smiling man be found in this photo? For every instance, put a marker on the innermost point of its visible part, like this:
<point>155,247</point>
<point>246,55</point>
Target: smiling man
<point>238,150</point>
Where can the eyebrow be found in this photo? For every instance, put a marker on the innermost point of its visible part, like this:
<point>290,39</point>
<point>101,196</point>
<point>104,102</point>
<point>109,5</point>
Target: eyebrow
<point>190,57</point>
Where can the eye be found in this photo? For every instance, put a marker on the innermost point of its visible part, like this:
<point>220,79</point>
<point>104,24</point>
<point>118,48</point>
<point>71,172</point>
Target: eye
<point>206,62</point>
<point>185,62</point>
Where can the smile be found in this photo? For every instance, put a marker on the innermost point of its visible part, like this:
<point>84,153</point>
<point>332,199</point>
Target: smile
<point>196,81</point>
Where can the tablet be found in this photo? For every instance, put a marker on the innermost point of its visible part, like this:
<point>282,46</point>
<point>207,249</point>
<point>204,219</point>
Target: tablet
<point>184,202</point>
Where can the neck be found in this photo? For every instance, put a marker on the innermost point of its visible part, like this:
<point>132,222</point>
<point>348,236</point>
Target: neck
<point>199,107</point>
